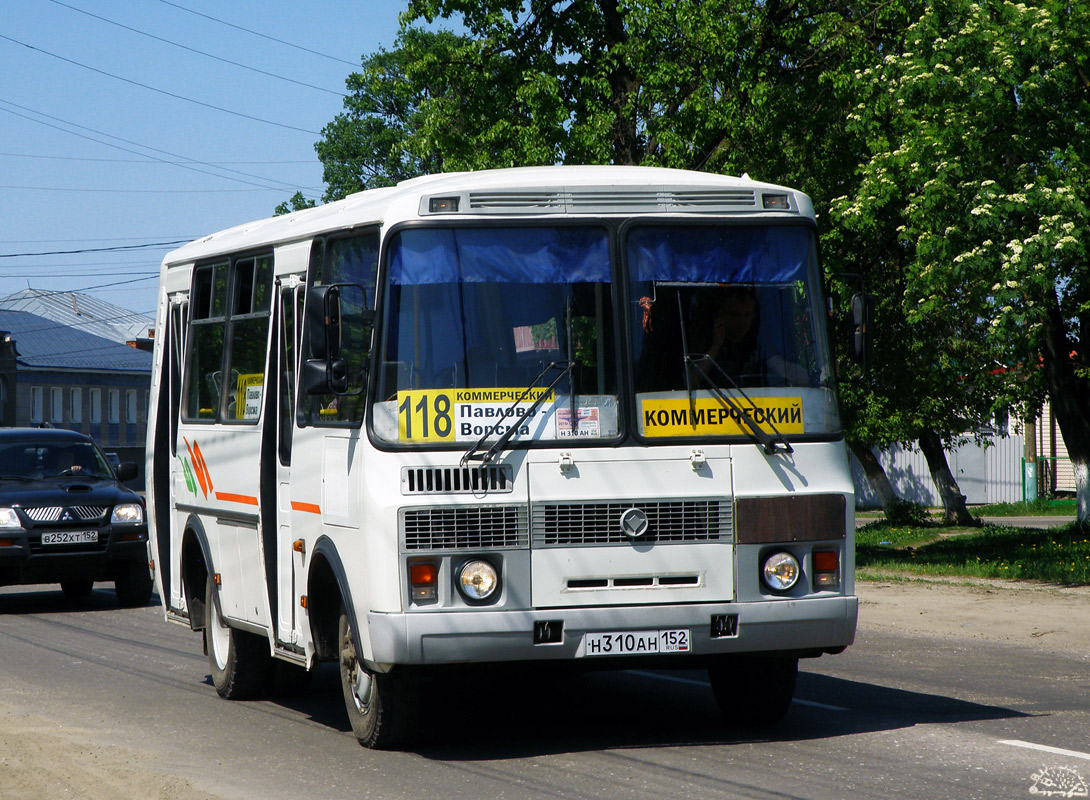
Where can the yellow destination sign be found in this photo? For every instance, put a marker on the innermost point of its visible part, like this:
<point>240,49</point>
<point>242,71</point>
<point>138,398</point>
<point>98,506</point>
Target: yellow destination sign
<point>448,415</point>
<point>709,416</point>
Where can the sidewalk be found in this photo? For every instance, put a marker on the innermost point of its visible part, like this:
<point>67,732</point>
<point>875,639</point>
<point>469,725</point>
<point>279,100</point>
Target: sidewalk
<point>1030,614</point>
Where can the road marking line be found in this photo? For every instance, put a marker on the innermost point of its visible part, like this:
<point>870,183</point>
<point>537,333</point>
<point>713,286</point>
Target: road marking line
<point>1055,750</point>
<point>694,682</point>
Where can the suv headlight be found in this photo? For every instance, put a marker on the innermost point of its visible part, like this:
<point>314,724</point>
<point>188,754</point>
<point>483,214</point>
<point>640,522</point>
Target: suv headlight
<point>131,513</point>
<point>9,519</point>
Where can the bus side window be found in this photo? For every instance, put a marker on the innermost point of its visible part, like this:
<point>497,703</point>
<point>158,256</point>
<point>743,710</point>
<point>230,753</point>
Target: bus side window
<point>352,260</point>
<point>205,344</point>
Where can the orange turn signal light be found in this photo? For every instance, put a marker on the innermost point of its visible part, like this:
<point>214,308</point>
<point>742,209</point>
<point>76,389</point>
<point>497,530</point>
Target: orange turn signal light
<point>826,561</point>
<point>423,574</point>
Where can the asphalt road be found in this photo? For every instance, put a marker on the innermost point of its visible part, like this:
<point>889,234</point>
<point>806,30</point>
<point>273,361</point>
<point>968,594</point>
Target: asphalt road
<point>894,717</point>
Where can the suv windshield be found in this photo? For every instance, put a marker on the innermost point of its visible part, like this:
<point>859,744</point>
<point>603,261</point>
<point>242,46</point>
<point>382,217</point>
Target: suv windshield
<point>37,460</point>
<point>727,320</point>
<point>479,323</point>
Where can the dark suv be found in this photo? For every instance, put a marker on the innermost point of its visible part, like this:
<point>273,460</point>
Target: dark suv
<point>66,518</point>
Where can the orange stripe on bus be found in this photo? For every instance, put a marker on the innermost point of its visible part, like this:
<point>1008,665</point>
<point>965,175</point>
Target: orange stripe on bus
<point>237,498</point>
<point>310,508</point>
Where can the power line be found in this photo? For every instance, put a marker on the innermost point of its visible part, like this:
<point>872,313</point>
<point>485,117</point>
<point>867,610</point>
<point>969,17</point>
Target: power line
<point>262,35</point>
<point>190,165</point>
<point>199,52</point>
<point>116,248</point>
<point>83,239</point>
<point>151,160</point>
<point>141,191</point>
<point>160,91</point>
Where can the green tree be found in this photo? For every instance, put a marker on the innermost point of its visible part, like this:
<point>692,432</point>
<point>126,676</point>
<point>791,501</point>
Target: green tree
<point>297,202</point>
<point>979,168</point>
<point>721,85</point>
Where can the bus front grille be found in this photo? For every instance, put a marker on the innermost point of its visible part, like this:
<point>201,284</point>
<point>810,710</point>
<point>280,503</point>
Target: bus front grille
<point>486,479</point>
<point>672,521</point>
<point>489,527</point>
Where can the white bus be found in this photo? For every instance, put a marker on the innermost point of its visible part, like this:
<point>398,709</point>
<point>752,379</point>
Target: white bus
<point>557,414</point>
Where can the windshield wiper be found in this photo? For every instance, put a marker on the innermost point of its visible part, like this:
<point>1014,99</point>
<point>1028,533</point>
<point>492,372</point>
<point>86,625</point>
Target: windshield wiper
<point>770,444</point>
<point>15,478</point>
<point>497,447</point>
<point>570,367</point>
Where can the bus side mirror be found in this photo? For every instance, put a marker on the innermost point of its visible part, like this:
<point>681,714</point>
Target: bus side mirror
<point>862,329</point>
<point>324,322</point>
<point>334,314</point>
<point>325,377</point>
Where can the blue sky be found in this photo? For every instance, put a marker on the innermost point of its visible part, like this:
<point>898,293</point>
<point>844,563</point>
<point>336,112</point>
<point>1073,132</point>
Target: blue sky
<point>87,121</point>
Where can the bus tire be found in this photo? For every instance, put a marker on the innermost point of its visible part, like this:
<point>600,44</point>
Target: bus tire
<point>239,661</point>
<point>382,707</point>
<point>754,691</point>
<point>133,584</point>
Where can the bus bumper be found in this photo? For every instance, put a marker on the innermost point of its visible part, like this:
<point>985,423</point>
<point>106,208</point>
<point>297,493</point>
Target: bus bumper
<point>807,627</point>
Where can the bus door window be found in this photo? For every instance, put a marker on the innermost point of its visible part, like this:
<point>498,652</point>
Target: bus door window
<point>291,310</point>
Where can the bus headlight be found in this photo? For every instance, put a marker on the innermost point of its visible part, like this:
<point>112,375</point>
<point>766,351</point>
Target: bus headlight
<point>478,580</point>
<point>780,571</point>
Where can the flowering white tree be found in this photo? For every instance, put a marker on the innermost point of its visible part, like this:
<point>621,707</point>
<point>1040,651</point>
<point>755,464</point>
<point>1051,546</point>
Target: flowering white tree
<point>979,165</point>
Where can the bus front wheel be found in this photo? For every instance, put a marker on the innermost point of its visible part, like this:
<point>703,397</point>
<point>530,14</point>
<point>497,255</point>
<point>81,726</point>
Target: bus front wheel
<point>381,707</point>
<point>754,691</point>
<point>238,660</point>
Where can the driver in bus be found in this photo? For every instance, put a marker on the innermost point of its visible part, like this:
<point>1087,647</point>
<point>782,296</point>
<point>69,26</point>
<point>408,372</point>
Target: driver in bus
<point>735,344</point>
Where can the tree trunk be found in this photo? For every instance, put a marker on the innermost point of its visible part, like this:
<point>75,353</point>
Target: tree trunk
<point>955,511</point>
<point>1070,398</point>
<point>876,475</point>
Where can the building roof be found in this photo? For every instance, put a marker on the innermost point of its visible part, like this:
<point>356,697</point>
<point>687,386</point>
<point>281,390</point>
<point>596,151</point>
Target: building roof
<point>82,312</point>
<point>45,344</point>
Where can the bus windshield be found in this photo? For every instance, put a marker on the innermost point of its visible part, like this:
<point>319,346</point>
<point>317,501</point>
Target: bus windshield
<point>498,334</point>
<point>726,318</point>
<point>482,324</point>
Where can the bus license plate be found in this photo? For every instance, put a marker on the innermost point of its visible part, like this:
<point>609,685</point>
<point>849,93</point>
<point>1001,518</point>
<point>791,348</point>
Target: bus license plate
<point>628,643</point>
<point>70,537</point>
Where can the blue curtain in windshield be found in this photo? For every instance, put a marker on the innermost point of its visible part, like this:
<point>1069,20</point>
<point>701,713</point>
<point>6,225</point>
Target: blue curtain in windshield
<point>500,255</point>
<point>706,254</point>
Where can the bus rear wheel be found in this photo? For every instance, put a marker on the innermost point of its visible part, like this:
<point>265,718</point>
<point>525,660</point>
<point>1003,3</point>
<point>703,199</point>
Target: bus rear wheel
<point>754,691</point>
<point>239,661</point>
<point>382,707</point>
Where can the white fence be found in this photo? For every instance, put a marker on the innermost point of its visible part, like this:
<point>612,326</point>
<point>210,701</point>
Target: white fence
<point>985,474</point>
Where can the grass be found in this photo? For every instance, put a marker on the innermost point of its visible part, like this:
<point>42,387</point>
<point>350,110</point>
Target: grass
<point>1040,507</point>
<point>1057,555</point>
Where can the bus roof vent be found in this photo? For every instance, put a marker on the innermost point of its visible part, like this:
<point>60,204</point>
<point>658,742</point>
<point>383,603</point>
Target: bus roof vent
<point>712,200</point>
<point>608,200</point>
<point>487,479</point>
<point>516,201</point>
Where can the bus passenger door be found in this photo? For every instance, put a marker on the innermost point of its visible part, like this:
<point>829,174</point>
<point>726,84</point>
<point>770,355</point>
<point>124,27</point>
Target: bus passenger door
<point>290,561</point>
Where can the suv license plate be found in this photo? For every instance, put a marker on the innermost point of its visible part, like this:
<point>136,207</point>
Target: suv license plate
<point>636,642</point>
<point>70,537</point>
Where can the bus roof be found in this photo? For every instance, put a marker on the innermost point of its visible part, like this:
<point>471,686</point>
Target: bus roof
<point>559,190</point>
